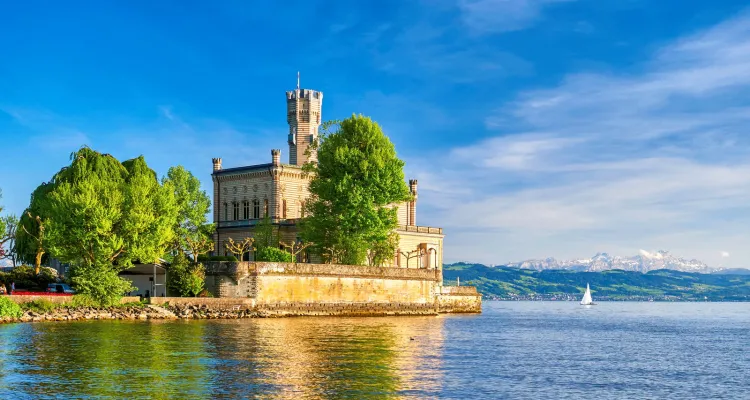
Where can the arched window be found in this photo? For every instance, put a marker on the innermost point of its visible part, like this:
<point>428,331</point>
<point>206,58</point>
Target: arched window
<point>283,208</point>
<point>236,210</point>
<point>245,209</point>
<point>256,208</point>
<point>226,212</point>
<point>265,207</point>
<point>302,209</point>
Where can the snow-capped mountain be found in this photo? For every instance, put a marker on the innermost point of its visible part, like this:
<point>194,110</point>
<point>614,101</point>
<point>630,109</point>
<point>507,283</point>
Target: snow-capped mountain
<point>643,262</point>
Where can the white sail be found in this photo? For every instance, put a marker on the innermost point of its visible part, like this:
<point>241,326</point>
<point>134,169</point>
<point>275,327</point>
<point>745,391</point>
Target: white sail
<point>586,300</point>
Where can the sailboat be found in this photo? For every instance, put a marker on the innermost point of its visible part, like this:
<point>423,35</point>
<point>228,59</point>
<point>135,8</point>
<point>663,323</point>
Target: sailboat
<point>586,300</point>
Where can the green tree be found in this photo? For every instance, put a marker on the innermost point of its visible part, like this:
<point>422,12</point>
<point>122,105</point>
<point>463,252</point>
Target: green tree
<point>100,215</point>
<point>8,227</point>
<point>192,230</point>
<point>26,245</point>
<point>355,183</point>
<point>185,279</point>
<point>265,235</point>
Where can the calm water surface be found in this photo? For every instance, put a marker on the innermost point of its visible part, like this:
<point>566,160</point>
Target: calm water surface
<point>548,350</point>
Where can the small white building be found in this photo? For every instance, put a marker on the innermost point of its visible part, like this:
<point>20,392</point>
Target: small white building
<point>149,280</point>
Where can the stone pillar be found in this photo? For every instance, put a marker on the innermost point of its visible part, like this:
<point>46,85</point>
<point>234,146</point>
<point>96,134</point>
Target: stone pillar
<point>413,204</point>
<point>217,164</point>
<point>276,156</point>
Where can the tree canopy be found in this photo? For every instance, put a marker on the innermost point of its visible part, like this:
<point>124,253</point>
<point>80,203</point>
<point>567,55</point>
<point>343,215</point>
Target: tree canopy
<point>100,216</point>
<point>355,184</point>
<point>191,226</point>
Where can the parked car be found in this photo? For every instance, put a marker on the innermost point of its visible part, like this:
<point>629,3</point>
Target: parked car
<point>60,288</point>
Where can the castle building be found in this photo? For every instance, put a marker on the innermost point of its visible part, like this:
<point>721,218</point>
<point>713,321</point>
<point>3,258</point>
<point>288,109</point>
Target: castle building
<point>245,195</point>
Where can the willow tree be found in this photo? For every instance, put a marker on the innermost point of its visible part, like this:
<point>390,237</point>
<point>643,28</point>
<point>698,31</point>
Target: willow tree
<point>357,179</point>
<point>101,216</point>
<point>26,246</point>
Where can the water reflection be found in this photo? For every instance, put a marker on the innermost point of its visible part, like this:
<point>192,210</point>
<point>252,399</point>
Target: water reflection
<point>269,358</point>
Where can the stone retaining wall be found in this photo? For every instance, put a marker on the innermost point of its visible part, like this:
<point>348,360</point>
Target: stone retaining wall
<point>460,303</point>
<point>459,290</point>
<point>280,289</point>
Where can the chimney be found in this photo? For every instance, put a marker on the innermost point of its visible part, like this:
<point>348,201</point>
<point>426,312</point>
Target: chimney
<point>413,203</point>
<point>276,156</point>
<point>217,164</point>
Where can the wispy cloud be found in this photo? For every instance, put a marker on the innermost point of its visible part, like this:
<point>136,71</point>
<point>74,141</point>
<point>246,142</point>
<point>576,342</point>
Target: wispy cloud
<point>496,16</point>
<point>651,159</point>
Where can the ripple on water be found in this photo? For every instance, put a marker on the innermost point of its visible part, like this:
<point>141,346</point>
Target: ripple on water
<point>513,350</point>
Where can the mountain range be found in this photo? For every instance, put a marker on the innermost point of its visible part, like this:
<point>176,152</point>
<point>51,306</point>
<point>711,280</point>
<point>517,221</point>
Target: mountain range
<point>643,262</point>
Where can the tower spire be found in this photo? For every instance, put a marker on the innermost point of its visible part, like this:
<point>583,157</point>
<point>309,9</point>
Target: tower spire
<point>297,80</point>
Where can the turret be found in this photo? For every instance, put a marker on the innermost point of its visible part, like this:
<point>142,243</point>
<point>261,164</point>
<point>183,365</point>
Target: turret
<point>217,164</point>
<point>413,203</point>
<point>276,157</point>
<point>303,108</point>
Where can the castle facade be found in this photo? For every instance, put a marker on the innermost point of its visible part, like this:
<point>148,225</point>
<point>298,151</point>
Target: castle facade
<point>242,196</point>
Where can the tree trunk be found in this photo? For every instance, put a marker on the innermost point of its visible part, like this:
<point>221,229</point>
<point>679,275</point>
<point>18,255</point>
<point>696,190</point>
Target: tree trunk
<point>38,263</point>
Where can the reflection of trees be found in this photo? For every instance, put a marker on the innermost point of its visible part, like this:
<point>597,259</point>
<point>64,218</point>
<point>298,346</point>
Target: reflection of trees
<point>269,358</point>
<point>116,359</point>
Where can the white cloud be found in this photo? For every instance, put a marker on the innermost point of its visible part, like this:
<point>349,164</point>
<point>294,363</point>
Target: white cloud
<point>724,254</point>
<point>494,16</point>
<point>612,162</point>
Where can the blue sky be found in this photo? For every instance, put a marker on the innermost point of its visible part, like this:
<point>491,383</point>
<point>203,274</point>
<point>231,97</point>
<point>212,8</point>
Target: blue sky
<point>536,128</point>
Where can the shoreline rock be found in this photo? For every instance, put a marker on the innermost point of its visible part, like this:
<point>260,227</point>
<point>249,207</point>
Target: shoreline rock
<point>147,312</point>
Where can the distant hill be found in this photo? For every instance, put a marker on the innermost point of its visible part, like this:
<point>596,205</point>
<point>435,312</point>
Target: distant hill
<point>516,283</point>
<point>643,262</point>
<point>733,271</point>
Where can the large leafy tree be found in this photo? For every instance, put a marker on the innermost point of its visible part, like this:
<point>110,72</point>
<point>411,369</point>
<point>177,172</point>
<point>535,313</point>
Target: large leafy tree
<point>355,183</point>
<point>192,230</point>
<point>101,215</point>
<point>8,227</point>
<point>26,244</point>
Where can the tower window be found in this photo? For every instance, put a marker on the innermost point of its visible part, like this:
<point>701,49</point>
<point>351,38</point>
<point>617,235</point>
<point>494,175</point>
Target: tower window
<point>302,209</point>
<point>245,209</point>
<point>265,207</point>
<point>236,210</point>
<point>256,208</point>
<point>226,212</point>
<point>283,208</point>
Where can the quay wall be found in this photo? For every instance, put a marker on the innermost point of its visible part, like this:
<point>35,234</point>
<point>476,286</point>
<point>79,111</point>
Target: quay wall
<point>286,289</point>
<point>459,299</point>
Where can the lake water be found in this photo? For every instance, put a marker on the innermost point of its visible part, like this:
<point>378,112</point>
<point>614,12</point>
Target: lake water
<point>546,350</point>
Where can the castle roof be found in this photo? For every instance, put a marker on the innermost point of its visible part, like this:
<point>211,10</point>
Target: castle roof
<point>251,168</point>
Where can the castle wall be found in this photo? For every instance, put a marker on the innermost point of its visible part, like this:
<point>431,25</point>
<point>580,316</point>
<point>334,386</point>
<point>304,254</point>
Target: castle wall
<point>459,299</point>
<point>286,289</point>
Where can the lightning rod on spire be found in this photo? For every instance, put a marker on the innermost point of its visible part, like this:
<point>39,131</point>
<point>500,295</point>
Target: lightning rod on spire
<point>297,80</point>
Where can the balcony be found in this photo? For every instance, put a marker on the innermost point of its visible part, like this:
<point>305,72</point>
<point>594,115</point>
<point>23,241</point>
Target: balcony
<point>248,223</point>
<point>420,229</point>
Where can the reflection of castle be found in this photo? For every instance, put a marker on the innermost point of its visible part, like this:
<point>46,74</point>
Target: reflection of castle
<point>244,195</point>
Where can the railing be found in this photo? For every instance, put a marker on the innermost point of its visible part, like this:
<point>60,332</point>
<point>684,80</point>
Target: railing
<point>420,229</point>
<point>246,223</point>
<point>459,290</point>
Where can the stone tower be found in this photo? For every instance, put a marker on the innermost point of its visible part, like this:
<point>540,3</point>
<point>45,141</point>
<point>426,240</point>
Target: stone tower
<point>303,109</point>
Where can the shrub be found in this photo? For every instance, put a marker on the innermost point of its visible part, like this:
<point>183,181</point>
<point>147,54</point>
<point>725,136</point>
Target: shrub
<point>185,279</point>
<point>273,254</point>
<point>25,277</point>
<point>8,308</point>
<point>103,286</point>
<point>83,300</point>
<point>40,306</point>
